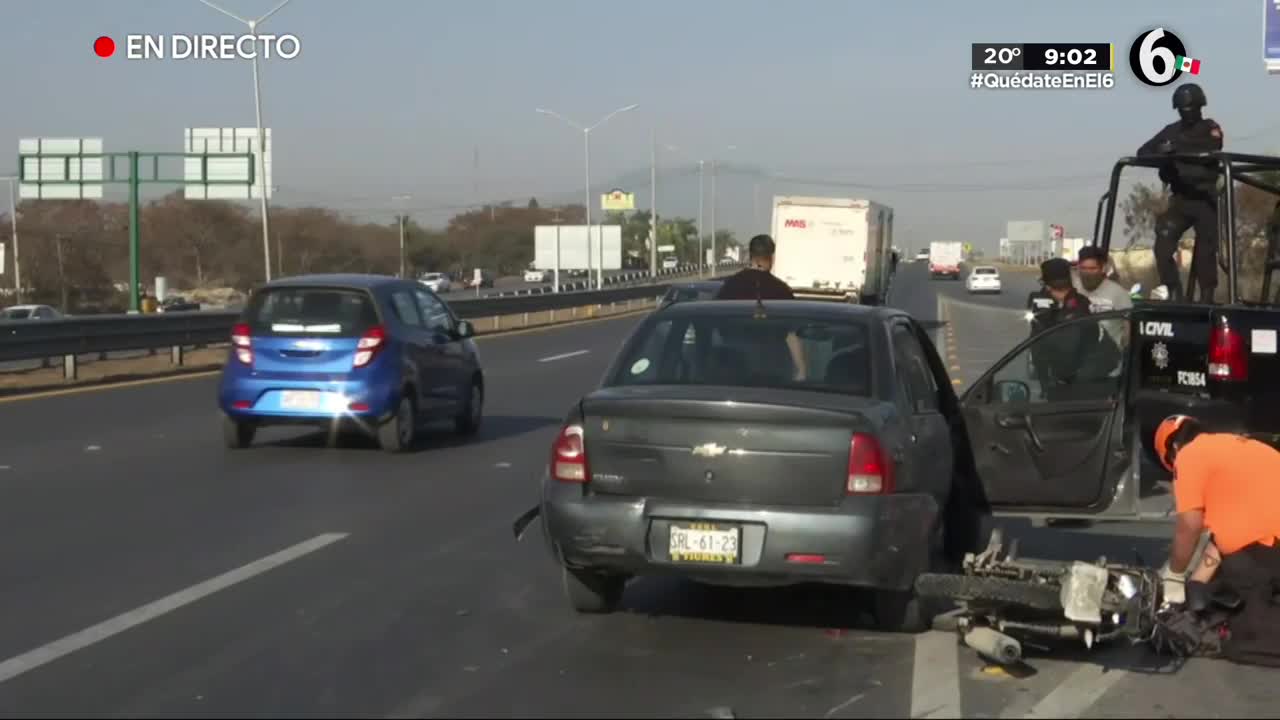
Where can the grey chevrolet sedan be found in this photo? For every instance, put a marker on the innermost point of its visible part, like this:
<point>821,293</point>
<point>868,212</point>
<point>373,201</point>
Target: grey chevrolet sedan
<point>743,443</point>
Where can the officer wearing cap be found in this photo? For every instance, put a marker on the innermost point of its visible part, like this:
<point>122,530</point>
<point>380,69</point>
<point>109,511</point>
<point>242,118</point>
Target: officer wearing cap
<point>1194,189</point>
<point>1059,357</point>
<point>756,282</point>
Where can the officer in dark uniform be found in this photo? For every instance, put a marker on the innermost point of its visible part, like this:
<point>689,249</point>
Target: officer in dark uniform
<point>1068,356</point>
<point>1194,187</point>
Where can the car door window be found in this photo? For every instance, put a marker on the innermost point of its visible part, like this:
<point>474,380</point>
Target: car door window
<point>924,391</point>
<point>406,308</point>
<point>1078,360</point>
<point>435,315</point>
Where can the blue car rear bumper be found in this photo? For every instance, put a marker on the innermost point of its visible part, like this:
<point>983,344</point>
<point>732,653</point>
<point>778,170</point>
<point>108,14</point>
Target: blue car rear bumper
<point>264,399</point>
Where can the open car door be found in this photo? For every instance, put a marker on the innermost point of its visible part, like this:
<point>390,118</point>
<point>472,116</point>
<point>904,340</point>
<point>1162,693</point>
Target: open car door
<point>1050,425</point>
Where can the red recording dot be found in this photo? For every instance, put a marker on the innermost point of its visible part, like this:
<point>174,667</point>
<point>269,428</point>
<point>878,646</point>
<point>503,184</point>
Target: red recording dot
<point>104,46</point>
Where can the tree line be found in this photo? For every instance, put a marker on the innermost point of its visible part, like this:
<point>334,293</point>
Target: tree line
<point>75,253</point>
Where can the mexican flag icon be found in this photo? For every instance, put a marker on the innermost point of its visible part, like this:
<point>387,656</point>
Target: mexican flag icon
<point>1186,64</point>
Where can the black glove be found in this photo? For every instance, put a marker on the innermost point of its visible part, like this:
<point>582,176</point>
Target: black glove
<point>1165,147</point>
<point>1184,633</point>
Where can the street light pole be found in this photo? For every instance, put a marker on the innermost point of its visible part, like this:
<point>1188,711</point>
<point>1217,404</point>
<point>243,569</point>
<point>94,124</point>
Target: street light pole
<point>701,187</point>
<point>262,137</point>
<point>586,144</point>
<point>13,222</point>
<point>653,206</point>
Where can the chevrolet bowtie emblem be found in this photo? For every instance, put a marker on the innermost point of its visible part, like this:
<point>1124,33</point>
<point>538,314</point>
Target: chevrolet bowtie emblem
<point>709,450</point>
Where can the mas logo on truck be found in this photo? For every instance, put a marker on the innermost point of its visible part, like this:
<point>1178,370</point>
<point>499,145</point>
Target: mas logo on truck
<point>795,224</point>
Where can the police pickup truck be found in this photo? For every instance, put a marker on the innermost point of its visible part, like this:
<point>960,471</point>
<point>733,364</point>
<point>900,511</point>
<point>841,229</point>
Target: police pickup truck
<point>1215,362</point>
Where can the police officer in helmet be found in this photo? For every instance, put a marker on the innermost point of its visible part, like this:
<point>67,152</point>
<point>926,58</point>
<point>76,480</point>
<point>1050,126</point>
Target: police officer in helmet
<point>1194,189</point>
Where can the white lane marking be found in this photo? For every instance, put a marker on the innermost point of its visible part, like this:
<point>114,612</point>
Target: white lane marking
<point>1077,693</point>
<point>935,680</point>
<point>562,356</point>
<point>33,659</point>
<point>937,332</point>
<point>844,705</point>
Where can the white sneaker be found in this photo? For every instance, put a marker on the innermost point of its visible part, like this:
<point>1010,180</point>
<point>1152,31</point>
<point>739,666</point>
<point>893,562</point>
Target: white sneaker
<point>1159,293</point>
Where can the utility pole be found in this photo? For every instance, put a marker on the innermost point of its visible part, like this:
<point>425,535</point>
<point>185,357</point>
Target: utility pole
<point>401,219</point>
<point>653,207</point>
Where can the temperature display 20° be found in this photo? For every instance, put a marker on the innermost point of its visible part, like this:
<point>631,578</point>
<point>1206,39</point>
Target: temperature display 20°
<point>1043,56</point>
<point>997,56</point>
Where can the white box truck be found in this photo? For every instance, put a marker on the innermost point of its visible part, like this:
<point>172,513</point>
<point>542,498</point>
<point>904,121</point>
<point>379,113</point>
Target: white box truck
<point>833,248</point>
<point>945,257</point>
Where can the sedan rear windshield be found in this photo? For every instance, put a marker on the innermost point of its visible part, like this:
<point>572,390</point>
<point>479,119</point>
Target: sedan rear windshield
<point>743,351</point>
<point>327,312</point>
<point>984,271</point>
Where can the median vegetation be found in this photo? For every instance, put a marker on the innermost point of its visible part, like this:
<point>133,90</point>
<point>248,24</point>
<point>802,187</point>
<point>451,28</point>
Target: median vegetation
<point>74,253</point>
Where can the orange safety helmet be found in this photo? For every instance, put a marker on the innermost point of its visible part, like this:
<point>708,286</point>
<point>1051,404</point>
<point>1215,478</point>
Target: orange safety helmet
<point>1166,429</point>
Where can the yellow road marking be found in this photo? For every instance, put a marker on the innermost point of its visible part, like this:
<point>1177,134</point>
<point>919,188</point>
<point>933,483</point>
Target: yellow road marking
<point>59,392</point>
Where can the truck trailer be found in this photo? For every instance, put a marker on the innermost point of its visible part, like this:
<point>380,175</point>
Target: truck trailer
<point>833,248</point>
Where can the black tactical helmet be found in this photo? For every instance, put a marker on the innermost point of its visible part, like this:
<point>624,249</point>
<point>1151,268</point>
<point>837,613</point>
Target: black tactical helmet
<point>1189,96</point>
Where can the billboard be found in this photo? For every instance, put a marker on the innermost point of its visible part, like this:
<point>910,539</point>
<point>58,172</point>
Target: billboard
<point>573,249</point>
<point>225,141</point>
<point>617,200</point>
<point>74,176</point>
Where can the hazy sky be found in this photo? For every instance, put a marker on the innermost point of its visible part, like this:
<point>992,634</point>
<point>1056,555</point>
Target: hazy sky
<point>391,97</point>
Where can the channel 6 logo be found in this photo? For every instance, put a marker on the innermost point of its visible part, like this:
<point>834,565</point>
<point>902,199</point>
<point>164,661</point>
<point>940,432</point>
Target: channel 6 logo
<point>1158,57</point>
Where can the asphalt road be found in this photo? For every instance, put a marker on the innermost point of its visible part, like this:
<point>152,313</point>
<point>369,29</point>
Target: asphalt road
<point>148,571</point>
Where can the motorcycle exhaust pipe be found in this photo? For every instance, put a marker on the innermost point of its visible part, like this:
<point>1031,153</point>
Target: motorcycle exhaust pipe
<point>993,645</point>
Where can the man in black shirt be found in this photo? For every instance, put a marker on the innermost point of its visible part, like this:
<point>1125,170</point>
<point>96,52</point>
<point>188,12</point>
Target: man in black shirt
<point>1194,187</point>
<point>756,281</point>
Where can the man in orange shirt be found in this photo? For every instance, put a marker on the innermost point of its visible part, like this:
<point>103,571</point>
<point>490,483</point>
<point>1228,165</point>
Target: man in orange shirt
<point>1227,485</point>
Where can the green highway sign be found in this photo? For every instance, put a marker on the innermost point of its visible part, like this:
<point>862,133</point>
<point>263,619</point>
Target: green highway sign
<point>61,169</point>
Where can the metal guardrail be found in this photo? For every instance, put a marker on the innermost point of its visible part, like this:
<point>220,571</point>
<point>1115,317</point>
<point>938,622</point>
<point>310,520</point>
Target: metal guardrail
<point>69,337</point>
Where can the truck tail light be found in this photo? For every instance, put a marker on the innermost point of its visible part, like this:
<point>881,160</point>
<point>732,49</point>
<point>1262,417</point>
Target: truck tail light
<point>1228,360</point>
<point>569,456</point>
<point>869,473</point>
<point>242,342</point>
<point>368,346</point>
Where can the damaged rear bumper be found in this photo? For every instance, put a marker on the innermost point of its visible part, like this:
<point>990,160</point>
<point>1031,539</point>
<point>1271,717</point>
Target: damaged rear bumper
<point>875,541</point>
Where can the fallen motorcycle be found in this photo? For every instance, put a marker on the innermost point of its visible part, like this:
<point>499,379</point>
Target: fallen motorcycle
<point>1006,601</point>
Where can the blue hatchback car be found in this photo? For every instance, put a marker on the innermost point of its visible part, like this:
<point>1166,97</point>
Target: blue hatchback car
<point>368,352</point>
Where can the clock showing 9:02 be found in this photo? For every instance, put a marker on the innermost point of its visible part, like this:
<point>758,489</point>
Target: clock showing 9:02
<point>1044,56</point>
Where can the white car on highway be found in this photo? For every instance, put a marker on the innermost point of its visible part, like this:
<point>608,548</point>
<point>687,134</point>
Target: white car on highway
<point>983,279</point>
<point>437,282</point>
<point>30,312</point>
<point>537,276</point>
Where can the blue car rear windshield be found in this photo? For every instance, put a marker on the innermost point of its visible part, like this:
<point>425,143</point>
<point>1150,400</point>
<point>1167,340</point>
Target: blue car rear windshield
<point>775,352</point>
<point>327,312</point>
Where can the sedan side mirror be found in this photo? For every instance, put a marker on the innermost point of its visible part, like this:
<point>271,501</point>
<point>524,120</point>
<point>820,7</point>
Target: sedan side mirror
<point>464,329</point>
<point>1012,391</point>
